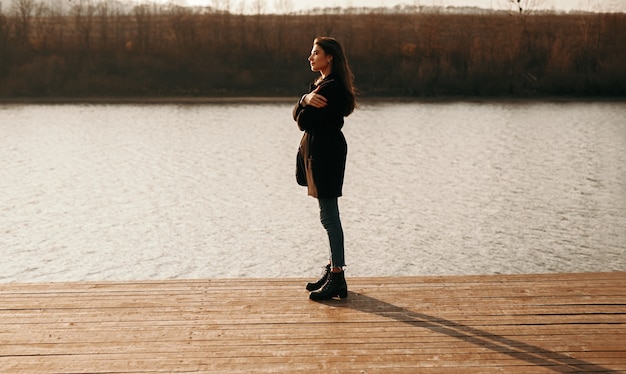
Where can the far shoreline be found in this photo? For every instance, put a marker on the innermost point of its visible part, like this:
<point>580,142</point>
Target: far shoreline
<point>200,100</point>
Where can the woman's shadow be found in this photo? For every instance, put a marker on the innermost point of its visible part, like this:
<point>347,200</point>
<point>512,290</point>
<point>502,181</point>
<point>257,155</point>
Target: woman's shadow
<point>534,355</point>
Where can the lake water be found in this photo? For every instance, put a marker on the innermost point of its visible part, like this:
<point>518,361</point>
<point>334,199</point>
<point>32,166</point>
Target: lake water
<point>123,192</point>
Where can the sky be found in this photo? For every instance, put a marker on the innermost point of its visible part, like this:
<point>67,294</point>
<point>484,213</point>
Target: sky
<point>299,5</point>
<point>566,5</point>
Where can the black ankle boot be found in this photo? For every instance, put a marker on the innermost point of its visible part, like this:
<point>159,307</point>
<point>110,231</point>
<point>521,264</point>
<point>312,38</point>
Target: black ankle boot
<point>320,282</point>
<point>335,286</point>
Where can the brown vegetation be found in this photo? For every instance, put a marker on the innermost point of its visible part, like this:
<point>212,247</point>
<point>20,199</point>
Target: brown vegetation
<point>99,49</point>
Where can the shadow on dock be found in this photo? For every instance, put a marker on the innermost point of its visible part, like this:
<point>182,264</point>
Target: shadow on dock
<point>534,355</point>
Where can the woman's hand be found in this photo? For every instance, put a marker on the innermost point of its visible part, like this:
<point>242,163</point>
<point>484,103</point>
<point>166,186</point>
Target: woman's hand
<point>314,99</point>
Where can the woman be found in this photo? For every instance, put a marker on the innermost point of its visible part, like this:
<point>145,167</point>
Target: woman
<point>322,154</point>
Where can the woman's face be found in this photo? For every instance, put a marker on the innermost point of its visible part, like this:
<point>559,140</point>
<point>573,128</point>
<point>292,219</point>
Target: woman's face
<point>320,61</point>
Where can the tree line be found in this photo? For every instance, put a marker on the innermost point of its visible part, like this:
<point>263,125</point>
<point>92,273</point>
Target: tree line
<point>103,49</point>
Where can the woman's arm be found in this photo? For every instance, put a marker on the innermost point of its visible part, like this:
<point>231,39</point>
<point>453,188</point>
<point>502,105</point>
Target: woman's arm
<point>312,99</point>
<point>317,108</point>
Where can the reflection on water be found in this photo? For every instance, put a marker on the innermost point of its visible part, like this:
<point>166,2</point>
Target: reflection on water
<point>115,192</point>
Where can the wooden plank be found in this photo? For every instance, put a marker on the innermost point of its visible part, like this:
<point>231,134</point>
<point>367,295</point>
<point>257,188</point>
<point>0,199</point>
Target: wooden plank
<point>474,324</point>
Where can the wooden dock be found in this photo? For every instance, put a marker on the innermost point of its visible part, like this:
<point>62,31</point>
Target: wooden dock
<point>563,323</point>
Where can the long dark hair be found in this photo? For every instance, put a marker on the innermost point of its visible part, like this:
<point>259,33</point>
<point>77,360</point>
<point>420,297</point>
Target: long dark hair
<point>340,67</point>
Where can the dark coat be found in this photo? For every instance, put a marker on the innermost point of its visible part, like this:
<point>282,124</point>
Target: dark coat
<point>322,154</point>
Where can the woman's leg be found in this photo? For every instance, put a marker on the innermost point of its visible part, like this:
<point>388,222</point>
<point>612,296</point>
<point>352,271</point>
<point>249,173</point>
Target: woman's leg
<point>335,285</point>
<point>329,216</point>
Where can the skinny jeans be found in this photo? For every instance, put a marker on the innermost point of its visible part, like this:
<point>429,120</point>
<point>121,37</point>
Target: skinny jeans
<point>329,216</point>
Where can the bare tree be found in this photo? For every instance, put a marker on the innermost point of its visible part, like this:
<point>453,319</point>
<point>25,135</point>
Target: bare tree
<point>83,13</point>
<point>144,22</point>
<point>283,6</point>
<point>182,25</point>
<point>103,12</point>
<point>221,6</point>
<point>258,7</point>
<point>42,19</point>
<point>24,10</point>
<point>527,6</point>
<point>4,38</point>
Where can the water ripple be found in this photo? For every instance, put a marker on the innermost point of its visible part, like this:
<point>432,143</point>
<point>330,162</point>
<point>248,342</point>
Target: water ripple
<point>116,192</point>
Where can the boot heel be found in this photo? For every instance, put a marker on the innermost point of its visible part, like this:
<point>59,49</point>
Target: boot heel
<point>343,293</point>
